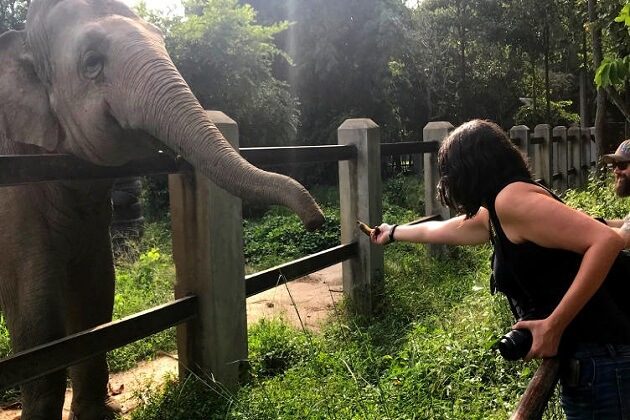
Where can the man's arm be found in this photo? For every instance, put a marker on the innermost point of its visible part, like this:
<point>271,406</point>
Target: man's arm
<point>623,229</point>
<point>615,223</point>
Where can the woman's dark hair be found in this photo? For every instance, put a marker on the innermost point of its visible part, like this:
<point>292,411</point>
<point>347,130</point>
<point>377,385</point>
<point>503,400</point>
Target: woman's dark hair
<point>475,162</point>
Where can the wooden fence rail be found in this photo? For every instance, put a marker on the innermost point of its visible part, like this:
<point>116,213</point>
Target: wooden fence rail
<point>59,354</point>
<point>211,286</point>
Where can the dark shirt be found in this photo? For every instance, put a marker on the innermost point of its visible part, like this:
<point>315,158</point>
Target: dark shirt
<point>535,279</point>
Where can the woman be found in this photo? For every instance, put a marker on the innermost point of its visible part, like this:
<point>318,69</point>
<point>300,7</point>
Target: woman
<point>552,262</point>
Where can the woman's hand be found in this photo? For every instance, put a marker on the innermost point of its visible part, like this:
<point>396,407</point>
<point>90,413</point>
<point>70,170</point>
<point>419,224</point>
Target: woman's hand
<point>380,234</point>
<point>454,231</point>
<point>546,337</point>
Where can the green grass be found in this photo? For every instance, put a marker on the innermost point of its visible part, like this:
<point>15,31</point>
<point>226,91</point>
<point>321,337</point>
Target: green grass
<point>145,277</point>
<point>599,199</point>
<point>425,354</point>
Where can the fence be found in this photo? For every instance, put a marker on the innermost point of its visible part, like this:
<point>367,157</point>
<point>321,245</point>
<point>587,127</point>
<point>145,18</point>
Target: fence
<point>209,308</point>
<point>561,158</point>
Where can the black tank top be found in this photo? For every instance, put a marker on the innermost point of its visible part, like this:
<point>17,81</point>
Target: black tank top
<point>535,279</point>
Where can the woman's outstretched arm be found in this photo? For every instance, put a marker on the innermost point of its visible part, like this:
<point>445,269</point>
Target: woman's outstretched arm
<point>455,231</point>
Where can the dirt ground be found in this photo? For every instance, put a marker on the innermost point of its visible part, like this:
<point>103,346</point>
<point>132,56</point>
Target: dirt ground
<point>312,297</point>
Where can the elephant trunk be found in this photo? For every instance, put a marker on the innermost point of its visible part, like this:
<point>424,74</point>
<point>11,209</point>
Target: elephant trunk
<point>172,114</point>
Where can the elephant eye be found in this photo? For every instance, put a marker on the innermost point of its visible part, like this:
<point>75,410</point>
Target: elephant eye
<point>92,64</point>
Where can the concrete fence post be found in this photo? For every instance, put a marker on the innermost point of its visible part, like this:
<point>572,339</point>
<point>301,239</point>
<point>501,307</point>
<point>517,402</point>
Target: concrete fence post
<point>434,131</point>
<point>543,154</point>
<point>360,198</point>
<point>576,178</point>
<point>561,161</point>
<point>519,135</point>
<point>207,227</point>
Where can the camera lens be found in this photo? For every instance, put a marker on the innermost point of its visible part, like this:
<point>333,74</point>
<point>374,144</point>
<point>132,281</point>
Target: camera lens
<point>515,344</point>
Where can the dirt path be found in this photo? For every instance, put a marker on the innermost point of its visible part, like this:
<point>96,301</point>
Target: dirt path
<point>314,296</point>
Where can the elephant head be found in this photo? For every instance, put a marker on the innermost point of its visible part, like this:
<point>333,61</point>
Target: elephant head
<point>90,78</point>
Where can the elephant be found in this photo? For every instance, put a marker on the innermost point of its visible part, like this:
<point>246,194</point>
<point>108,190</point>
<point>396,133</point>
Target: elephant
<point>91,79</point>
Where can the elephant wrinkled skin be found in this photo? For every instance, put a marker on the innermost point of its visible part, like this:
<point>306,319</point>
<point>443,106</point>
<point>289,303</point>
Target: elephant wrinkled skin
<point>89,78</point>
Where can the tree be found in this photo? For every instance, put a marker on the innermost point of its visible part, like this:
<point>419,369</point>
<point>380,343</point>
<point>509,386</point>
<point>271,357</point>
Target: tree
<point>613,74</point>
<point>12,14</point>
<point>226,58</point>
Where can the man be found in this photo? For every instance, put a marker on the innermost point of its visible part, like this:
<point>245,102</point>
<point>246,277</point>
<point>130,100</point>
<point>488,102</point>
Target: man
<point>620,163</point>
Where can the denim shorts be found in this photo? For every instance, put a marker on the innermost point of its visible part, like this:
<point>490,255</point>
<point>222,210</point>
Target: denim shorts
<point>596,382</point>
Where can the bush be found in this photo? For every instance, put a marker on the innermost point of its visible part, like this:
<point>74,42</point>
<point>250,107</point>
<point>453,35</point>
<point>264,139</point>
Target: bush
<point>279,237</point>
<point>527,115</point>
<point>404,190</point>
<point>598,199</point>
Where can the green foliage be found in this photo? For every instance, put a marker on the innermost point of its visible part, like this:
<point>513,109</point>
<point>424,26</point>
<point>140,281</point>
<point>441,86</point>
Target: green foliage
<point>404,191</point>
<point>615,71</point>
<point>598,199</point>
<point>155,198</point>
<point>559,115</point>
<point>5,342</point>
<point>279,237</point>
<point>624,15</point>
<point>144,279</point>
<point>12,14</point>
<point>227,58</point>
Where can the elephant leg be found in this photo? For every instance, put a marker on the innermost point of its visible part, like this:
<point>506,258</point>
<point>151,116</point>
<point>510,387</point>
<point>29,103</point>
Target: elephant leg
<point>34,316</point>
<point>90,303</point>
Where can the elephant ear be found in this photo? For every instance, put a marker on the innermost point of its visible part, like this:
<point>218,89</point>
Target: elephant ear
<point>25,114</point>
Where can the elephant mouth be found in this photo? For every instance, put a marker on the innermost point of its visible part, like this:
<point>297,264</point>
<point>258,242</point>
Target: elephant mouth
<point>107,143</point>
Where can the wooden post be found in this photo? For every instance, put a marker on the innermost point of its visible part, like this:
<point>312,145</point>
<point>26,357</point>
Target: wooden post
<point>360,198</point>
<point>543,154</point>
<point>207,229</point>
<point>575,157</point>
<point>585,138</point>
<point>434,131</point>
<point>535,398</point>
<point>519,134</point>
<point>590,131</point>
<point>561,161</point>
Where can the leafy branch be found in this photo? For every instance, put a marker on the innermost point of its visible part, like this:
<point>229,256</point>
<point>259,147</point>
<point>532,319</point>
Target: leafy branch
<point>614,73</point>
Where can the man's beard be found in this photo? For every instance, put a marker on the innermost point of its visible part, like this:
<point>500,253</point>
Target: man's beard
<point>622,185</point>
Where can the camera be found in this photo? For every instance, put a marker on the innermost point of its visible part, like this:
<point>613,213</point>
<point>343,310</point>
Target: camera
<point>515,344</point>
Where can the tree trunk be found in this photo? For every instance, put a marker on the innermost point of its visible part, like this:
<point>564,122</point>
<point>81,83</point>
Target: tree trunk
<point>603,145</point>
<point>584,114</point>
<point>546,41</point>
<point>462,60</point>
<point>534,87</point>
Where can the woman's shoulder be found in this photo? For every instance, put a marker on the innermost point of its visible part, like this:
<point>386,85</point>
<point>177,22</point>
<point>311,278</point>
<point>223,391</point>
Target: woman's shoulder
<point>515,205</point>
<point>517,192</point>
